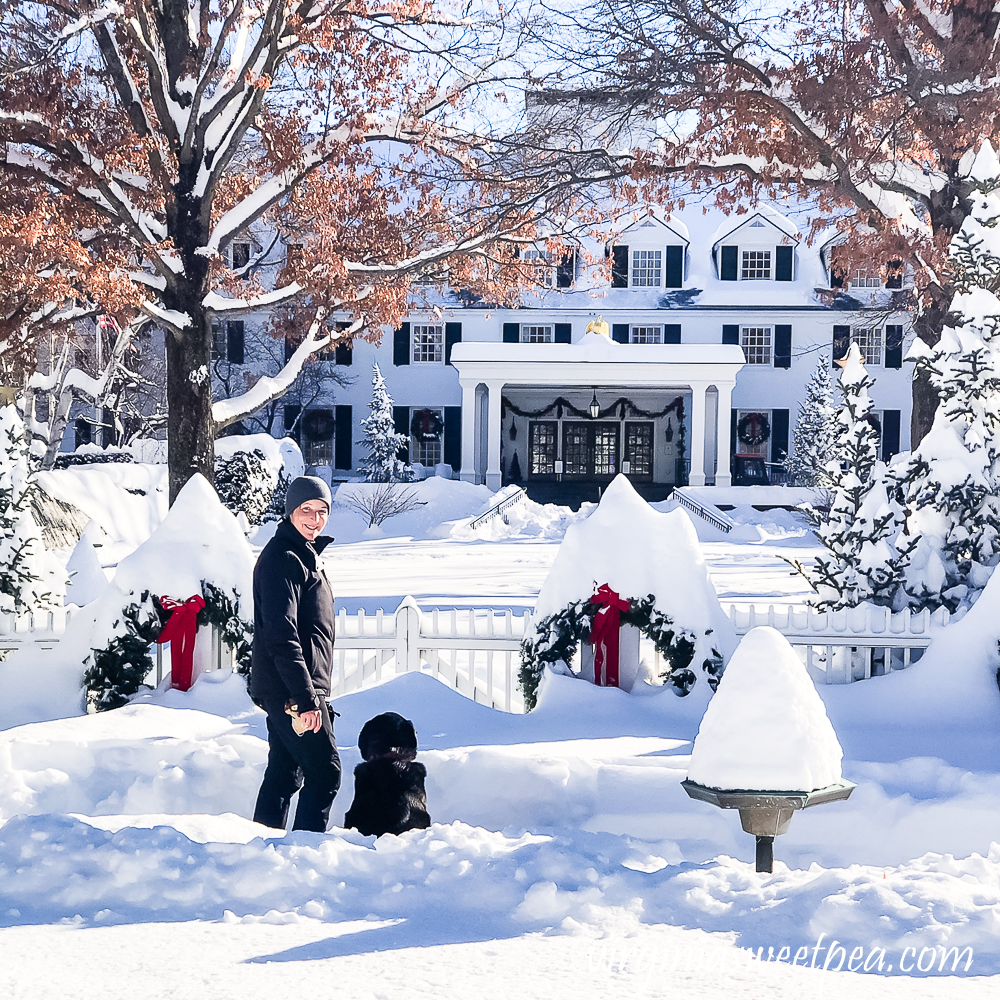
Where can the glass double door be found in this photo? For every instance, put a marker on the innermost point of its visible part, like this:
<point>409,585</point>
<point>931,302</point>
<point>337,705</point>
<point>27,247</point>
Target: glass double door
<point>591,449</point>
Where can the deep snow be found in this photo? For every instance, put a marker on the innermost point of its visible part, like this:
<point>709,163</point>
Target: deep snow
<point>564,859</point>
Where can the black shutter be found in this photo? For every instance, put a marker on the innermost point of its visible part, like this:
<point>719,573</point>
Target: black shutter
<point>782,346</point>
<point>566,270</point>
<point>779,435</point>
<point>836,278</point>
<point>783,263</point>
<point>841,342</point>
<point>512,333</point>
<point>672,333</point>
<point>731,334</point>
<point>343,354</point>
<point>342,437</point>
<point>235,341</point>
<point>894,278</point>
<point>619,267</point>
<point>730,263</point>
<point>890,434</point>
<point>564,333</point>
<point>401,345</point>
<point>733,422</point>
<point>619,333</point>
<point>291,415</point>
<point>290,347</point>
<point>401,424</point>
<point>453,437</point>
<point>894,347</point>
<point>452,336</point>
<point>675,267</point>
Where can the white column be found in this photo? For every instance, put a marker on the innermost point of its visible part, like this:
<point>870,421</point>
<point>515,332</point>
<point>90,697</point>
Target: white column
<point>724,472</point>
<point>493,428</point>
<point>697,475</point>
<point>469,408</point>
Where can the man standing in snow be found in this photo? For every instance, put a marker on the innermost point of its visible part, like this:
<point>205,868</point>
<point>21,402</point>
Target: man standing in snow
<point>292,661</point>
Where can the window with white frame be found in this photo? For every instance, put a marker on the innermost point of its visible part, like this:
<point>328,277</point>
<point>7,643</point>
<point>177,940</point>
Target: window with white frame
<point>647,335</point>
<point>647,267</point>
<point>866,277</point>
<point>756,344</point>
<point>535,334</point>
<point>428,340</point>
<point>869,341</point>
<point>540,268</point>
<point>756,265</point>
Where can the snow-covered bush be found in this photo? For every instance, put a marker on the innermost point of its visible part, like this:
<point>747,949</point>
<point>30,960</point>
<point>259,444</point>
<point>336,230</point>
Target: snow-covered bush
<point>815,432</point>
<point>861,562</point>
<point>244,483</point>
<point>386,500</point>
<point>952,479</point>
<point>382,464</point>
<point>27,582</point>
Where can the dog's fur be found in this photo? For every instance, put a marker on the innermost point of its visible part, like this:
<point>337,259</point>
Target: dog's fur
<point>389,794</point>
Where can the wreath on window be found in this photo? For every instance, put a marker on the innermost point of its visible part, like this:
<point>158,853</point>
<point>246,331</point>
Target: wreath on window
<point>426,425</point>
<point>318,425</point>
<point>753,429</point>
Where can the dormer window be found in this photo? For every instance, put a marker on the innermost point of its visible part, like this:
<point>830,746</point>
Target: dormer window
<point>240,255</point>
<point>647,266</point>
<point>761,248</point>
<point>540,270</point>
<point>659,267</point>
<point>756,265</point>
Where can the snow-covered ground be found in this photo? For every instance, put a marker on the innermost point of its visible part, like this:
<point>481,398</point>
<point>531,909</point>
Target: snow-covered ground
<point>565,859</point>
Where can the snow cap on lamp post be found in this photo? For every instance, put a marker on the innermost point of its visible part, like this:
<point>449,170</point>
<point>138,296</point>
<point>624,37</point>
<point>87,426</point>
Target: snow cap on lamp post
<point>765,745</point>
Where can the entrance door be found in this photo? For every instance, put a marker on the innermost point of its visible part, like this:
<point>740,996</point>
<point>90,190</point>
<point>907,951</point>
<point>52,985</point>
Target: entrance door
<point>639,449</point>
<point>590,450</point>
<point>542,447</point>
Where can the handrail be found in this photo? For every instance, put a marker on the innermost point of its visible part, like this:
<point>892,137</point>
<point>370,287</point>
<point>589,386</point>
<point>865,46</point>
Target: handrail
<point>714,517</point>
<point>498,508</point>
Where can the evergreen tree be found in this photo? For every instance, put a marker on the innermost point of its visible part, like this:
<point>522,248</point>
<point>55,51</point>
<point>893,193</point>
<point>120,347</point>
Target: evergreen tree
<point>952,479</point>
<point>861,563</point>
<point>815,432</point>
<point>26,582</point>
<point>381,439</point>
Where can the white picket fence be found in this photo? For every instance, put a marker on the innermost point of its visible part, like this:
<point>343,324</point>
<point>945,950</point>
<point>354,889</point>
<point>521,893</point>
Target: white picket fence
<point>476,650</point>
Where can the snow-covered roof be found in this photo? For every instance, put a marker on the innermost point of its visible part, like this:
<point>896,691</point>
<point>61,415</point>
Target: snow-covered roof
<point>760,218</point>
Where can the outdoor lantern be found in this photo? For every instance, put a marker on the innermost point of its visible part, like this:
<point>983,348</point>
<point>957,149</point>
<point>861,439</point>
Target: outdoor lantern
<point>595,407</point>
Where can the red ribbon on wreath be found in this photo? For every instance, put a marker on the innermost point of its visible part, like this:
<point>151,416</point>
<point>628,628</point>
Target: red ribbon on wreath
<point>604,635</point>
<point>180,631</point>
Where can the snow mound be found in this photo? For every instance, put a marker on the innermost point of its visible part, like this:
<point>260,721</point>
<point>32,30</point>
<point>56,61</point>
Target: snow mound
<point>766,729</point>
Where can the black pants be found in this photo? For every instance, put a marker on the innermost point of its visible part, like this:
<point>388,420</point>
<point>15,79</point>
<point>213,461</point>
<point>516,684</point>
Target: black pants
<point>309,762</point>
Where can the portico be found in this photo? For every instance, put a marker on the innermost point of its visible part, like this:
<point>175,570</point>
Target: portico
<point>596,408</point>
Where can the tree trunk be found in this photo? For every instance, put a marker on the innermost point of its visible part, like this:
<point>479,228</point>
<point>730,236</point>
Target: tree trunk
<point>190,430</point>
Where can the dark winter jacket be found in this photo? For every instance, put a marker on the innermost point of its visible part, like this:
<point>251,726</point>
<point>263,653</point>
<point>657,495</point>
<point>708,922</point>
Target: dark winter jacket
<point>294,622</point>
<point>389,797</point>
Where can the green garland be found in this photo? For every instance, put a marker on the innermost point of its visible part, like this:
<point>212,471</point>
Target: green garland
<point>558,636</point>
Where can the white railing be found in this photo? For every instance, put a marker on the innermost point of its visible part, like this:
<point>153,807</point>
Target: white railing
<point>43,629</point>
<point>499,509</point>
<point>474,650</point>
<point>714,516</point>
<point>852,644</point>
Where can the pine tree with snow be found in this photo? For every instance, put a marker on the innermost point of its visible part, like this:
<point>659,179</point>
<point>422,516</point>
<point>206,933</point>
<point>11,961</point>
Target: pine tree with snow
<point>951,482</point>
<point>381,438</point>
<point>27,583</point>
<point>815,432</point>
<point>860,562</point>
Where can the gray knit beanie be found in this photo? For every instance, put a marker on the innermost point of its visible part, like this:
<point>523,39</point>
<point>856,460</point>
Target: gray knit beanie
<point>306,488</point>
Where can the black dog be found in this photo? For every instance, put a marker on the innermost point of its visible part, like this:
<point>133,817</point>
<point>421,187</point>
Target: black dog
<point>389,794</point>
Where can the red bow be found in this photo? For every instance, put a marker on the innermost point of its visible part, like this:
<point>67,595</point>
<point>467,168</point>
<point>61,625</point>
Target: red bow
<point>180,630</point>
<point>604,635</point>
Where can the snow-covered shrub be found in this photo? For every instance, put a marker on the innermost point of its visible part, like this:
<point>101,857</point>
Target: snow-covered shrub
<point>386,500</point>
<point>382,464</point>
<point>90,454</point>
<point>27,582</point>
<point>952,479</point>
<point>815,432</point>
<point>861,562</point>
<point>244,483</point>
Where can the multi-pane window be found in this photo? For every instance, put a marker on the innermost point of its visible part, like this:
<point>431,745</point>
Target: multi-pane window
<point>647,335</point>
<point>647,266</point>
<point>532,334</point>
<point>428,342</point>
<point>427,449</point>
<point>756,265</point>
<point>543,448</point>
<point>866,277</point>
<point>218,340</point>
<point>540,269</point>
<point>869,341</point>
<point>756,344</point>
<point>241,255</point>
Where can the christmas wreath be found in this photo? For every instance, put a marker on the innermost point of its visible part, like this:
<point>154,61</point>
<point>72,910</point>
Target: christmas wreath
<point>558,636</point>
<point>318,425</point>
<point>753,429</point>
<point>426,425</point>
